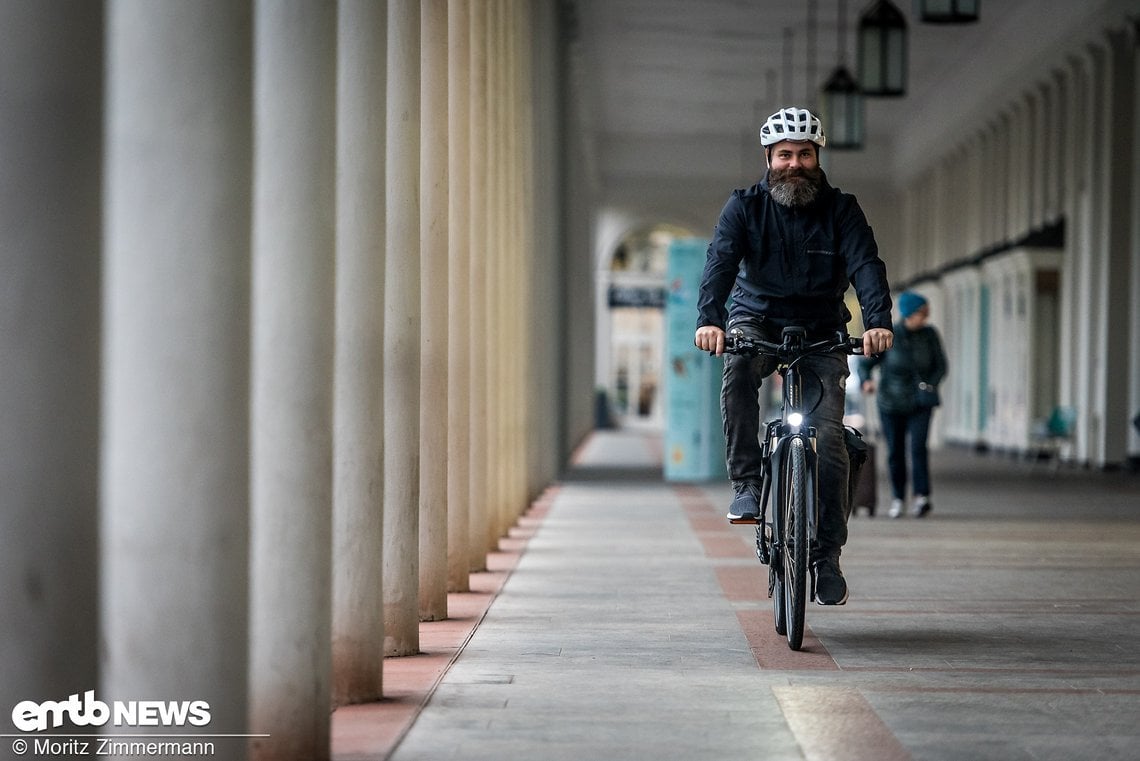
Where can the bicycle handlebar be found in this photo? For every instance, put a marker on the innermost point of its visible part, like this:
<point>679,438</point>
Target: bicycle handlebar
<point>793,347</point>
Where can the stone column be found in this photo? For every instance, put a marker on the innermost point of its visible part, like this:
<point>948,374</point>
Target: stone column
<point>1115,222</point>
<point>291,465</point>
<point>511,350</point>
<point>1089,230</point>
<point>511,283</point>
<point>1134,292</point>
<point>175,462</point>
<point>459,297</point>
<point>480,426</point>
<point>1070,96</point>
<point>512,393</point>
<point>358,399</point>
<point>515,258</point>
<point>1041,158</point>
<point>525,275</point>
<point>402,334</point>
<point>434,344</point>
<point>51,89</point>
<point>492,342</point>
<point>544,286</point>
<point>577,361</point>
<point>523,246</point>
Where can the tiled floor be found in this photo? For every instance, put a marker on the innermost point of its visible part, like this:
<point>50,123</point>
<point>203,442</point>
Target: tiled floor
<point>635,625</point>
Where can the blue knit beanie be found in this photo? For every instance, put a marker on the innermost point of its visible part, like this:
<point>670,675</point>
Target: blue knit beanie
<point>909,303</point>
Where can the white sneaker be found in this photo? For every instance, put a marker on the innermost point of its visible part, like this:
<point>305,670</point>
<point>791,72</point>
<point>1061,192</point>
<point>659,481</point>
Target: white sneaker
<point>922,506</point>
<point>896,510</point>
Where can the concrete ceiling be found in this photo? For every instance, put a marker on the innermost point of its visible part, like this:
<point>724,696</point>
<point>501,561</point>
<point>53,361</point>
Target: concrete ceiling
<point>672,92</point>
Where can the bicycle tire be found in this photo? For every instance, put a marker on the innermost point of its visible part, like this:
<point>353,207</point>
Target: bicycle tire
<point>795,549</point>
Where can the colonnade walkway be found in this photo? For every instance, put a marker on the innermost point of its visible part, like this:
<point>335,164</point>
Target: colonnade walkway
<point>635,625</point>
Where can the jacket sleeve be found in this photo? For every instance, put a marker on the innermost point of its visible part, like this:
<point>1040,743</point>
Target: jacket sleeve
<point>864,267</point>
<point>938,358</point>
<point>722,262</point>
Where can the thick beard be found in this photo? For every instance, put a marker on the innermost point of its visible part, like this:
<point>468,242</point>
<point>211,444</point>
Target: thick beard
<point>795,187</point>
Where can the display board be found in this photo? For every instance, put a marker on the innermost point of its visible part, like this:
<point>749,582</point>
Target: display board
<point>694,434</point>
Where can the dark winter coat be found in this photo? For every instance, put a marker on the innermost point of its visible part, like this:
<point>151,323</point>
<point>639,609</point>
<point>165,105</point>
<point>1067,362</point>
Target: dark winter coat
<point>916,357</point>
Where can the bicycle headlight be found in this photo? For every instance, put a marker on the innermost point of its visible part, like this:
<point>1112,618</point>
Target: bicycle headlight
<point>795,418</point>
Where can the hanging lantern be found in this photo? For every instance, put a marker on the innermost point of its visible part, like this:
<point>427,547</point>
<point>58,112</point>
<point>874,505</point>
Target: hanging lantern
<point>947,11</point>
<point>842,101</point>
<point>882,50</point>
<point>843,108</point>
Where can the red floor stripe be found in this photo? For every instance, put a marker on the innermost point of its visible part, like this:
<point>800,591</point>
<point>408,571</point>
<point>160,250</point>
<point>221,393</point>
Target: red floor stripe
<point>771,650</point>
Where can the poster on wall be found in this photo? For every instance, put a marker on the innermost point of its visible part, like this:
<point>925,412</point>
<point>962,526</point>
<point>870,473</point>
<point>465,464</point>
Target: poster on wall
<point>694,436</point>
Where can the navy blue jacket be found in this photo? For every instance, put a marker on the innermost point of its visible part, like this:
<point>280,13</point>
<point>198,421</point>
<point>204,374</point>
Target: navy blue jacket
<point>793,265</point>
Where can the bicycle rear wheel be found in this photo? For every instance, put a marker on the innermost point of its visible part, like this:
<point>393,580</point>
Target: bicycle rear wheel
<point>795,545</point>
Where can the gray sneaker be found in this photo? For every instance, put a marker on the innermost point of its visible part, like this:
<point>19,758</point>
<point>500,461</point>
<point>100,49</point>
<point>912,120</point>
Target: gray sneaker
<point>830,586</point>
<point>745,507</point>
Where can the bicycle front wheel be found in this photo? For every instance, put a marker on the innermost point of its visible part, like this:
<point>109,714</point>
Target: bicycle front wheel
<point>776,591</point>
<point>795,555</point>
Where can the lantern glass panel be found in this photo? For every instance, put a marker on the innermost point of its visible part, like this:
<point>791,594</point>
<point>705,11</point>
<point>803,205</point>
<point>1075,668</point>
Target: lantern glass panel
<point>843,111</point>
<point>947,11</point>
<point>968,9</point>
<point>870,65</point>
<point>895,63</point>
<point>845,121</point>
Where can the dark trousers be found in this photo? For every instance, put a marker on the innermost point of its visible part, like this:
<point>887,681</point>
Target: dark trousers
<point>897,430</point>
<point>740,410</point>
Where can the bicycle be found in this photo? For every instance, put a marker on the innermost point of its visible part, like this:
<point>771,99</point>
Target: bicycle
<point>788,455</point>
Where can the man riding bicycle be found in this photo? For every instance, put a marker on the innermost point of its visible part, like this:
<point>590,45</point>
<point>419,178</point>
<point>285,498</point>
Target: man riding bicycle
<point>786,250</point>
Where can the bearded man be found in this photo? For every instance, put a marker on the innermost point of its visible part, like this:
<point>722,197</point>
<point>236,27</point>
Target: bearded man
<point>786,250</point>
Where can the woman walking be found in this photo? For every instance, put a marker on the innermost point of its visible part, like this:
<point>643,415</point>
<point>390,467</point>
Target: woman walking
<point>909,375</point>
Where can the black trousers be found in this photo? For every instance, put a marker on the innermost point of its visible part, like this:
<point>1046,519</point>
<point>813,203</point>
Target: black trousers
<point>897,430</point>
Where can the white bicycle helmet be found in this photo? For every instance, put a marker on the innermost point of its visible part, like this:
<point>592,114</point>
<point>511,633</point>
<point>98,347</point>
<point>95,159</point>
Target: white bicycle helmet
<point>792,124</point>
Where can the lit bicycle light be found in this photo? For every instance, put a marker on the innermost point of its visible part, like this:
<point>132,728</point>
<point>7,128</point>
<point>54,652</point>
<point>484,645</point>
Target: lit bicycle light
<point>795,418</point>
